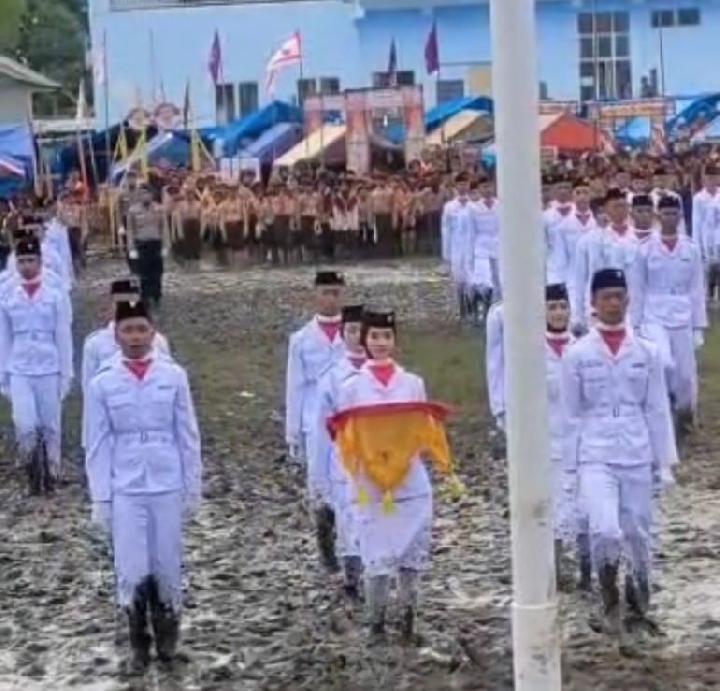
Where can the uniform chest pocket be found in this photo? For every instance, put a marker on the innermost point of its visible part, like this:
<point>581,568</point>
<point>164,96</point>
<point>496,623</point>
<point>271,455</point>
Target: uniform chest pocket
<point>161,405</point>
<point>594,383</point>
<point>120,407</point>
<point>637,382</point>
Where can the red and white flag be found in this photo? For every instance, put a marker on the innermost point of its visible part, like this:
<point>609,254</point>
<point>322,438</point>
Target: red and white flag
<point>289,53</point>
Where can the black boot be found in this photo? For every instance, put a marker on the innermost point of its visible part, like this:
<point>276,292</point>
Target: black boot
<point>610,598</point>
<point>325,522</point>
<point>637,598</point>
<point>138,629</point>
<point>584,562</point>
<point>561,583</point>
<point>352,566</point>
<point>165,623</point>
<point>408,624</point>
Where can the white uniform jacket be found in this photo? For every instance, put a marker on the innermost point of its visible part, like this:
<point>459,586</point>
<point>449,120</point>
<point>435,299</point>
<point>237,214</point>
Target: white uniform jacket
<point>51,261</point>
<point>364,389</point>
<point>310,355</point>
<point>143,436</point>
<point>495,360</point>
<point>571,229</point>
<point>668,286</point>
<point>459,228</point>
<point>56,235</point>
<point>556,409</point>
<point>707,233</point>
<point>555,253</point>
<point>35,332</point>
<point>616,407</point>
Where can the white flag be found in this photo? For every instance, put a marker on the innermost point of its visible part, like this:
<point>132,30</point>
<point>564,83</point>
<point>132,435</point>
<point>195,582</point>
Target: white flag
<point>81,111</point>
<point>289,53</point>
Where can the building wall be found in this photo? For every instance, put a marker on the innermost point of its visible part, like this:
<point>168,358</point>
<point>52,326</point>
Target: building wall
<point>350,41</point>
<point>14,102</point>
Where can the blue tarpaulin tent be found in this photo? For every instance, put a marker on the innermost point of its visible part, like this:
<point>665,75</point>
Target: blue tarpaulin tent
<point>240,133</point>
<point>706,107</point>
<point>274,142</point>
<point>438,115</point>
<point>171,147</point>
<point>635,132</point>
<point>709,133</point>
<point>17,152</point>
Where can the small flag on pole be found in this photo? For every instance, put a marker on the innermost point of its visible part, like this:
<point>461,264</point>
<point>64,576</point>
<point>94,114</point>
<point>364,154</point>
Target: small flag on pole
<point>289,53</point>
<point>215,61</point>
<point>392,64</point>
<point>186,105</point>
<point>432,52</point>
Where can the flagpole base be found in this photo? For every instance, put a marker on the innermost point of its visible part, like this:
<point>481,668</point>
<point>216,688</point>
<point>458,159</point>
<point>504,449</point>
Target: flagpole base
<point>536,633</point>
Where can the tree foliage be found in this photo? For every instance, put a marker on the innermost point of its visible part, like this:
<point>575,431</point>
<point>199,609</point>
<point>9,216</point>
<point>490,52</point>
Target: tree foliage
<point>11,16</point>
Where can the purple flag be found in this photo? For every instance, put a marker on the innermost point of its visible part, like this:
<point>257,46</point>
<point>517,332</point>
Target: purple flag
<point>432,52</point>
<point>215,61</point>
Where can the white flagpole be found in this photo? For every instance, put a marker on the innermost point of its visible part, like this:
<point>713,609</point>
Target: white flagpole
<point>536,634</point>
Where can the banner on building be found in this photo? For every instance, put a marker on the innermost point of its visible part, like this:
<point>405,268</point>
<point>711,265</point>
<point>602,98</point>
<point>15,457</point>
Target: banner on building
<point>414,120</point>
<point>357,134</point>
<point>657,109</point>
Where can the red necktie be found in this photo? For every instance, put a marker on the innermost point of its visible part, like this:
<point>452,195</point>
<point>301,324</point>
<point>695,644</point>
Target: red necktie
<point>613,339</point>
<point>138,368</point>
<point>558,344</point>
<point>31,288</point>
<point>330,329</point>
<point>383,372</point>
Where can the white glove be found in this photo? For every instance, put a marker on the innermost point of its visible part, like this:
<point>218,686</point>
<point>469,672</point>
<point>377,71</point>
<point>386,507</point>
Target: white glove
<point>500,421</point>
<point>133,254</point>
<point>191,505</point>
<point>664,480</point>
<point>698,338</point>
<point>121,231</point>
<point>164,253</point>
<point>294,451</point>
<point>5,387</point>
<point>101,515</point>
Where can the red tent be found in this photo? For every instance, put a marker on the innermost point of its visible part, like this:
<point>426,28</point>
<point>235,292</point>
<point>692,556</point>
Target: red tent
<point>567,134</point>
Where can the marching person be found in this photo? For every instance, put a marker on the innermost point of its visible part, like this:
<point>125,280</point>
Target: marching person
<point>394,541</point>
<point>616,437</point>
<point>458,232</point>
<point>705,199</point>
<point>669,290</point>
<point>143,464</point>
<point>706,232</point>
<point>328,482</point>
<point>312,351</point>
<point>148,244</point>
<point>36,365</point>
<point>643,215</point>
<point>101,345</point>
<point>572,227</point>
<point>560,209</point>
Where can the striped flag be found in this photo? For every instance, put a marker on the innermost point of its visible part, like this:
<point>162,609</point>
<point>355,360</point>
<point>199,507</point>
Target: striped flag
<point>289,53</point>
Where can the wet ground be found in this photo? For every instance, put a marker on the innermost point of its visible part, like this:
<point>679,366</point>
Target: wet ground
<point>260,612</point>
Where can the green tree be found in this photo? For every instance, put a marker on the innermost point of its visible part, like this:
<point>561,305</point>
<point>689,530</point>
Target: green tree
<point>11,17</point>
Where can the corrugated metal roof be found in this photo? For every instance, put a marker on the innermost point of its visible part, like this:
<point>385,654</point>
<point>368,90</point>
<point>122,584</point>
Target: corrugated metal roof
<point>312,146</point>
<point>11,69</point>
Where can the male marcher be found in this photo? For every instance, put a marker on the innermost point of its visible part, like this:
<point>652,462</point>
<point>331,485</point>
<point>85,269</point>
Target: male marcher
<point>706,232</point>
<point>705,199</point>
<point>617,419</point>
<point>560,208</point>
<point>669,290</point>
<point>143,464</point>
<point>101,345</point>
<point>328,482</point>
<point>148,244</point>
<point>36,366</point>
<point>643,215</point>
<point>312,351</point>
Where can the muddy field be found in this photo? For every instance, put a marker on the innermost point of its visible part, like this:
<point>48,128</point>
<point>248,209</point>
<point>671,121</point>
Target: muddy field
<point>260,613</point>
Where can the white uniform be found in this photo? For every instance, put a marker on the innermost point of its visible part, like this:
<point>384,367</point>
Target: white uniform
<point>143,456</point>
<point>668,289</point>
<point>495,361</point>
<point>707,233</point>
<point>328,481</point>
<point>703,202</point>
<point>601,248</point>
<point>555,254</point>
<point>310,355</point>
<point>51,261</point>
<point>657,194</point>
<point>486,247</point>
<point>459,229</point>
<point>571,229</point>
<point>99,347</point>
<point>400,539</point>
<point>617,419</point>
<point>564,479</point>
<point>36,363</point>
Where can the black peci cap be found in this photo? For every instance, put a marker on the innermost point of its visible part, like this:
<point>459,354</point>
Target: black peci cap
<point>352,313</point>
<point>668,202</point>
<point>27,247</point>
<point>130,310</point>
<point>125,286</point>
<point>329,278</point>
<point>608,278</point>
<point>615,193</point>
<point>556,291</point>
<point>642,201</point>
<point>378,319</point>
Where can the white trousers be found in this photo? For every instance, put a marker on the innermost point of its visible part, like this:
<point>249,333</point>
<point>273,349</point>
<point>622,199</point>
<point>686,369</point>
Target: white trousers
<point>36,406</point>
<point>147,541</point>
<point>619,502</point>
<point>683,380</point>
<point>563,501</point>
<point>347,543</point>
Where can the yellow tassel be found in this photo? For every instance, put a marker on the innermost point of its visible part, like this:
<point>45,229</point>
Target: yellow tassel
<point>456,487</point>
<point>363,497</point>
<point>388,504</point>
